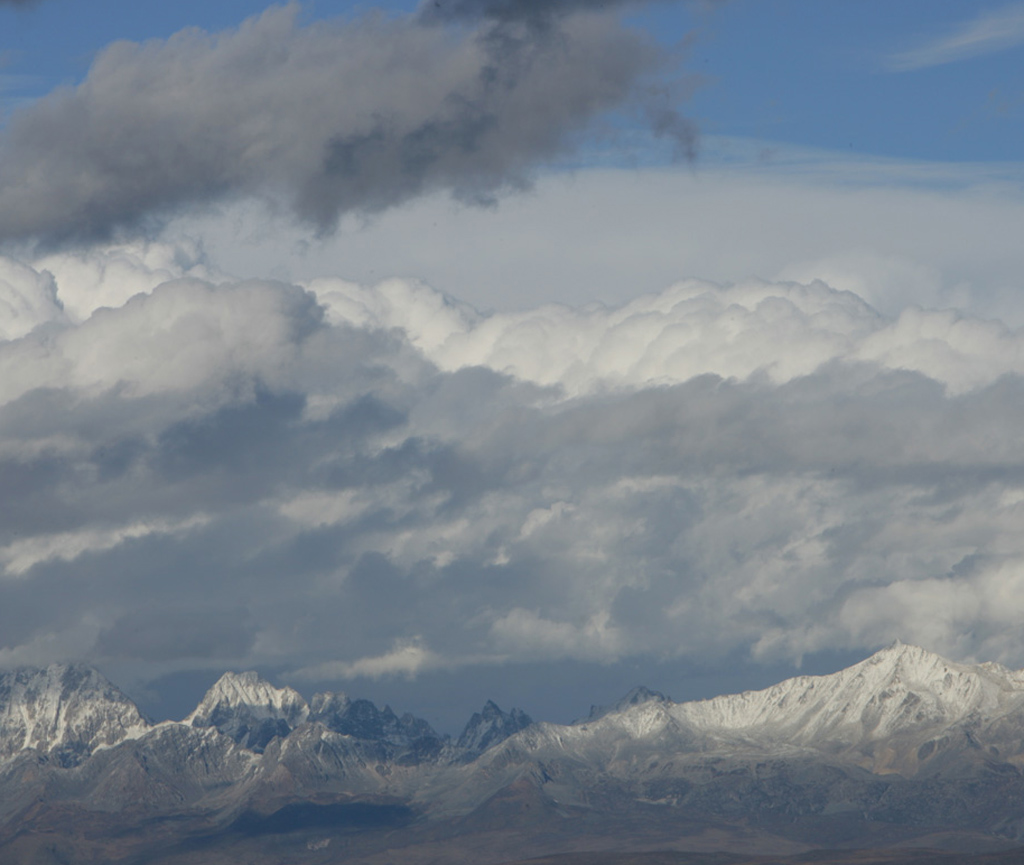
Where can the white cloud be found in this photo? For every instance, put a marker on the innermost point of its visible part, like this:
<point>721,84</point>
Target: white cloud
<point>989,32</point>
<point>187,335</point>
<point>766,466</point>
<point>406,658</point>
<point>107,276</point>
<point>779,330</point>
<point>526,634</point>
<point>27,299</point>
<point>20,556</point>
<point>888,282</point>
<point>925,234</point>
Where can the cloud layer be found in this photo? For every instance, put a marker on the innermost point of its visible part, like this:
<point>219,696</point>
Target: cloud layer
<point>319,120</point>
<point>353,481</point>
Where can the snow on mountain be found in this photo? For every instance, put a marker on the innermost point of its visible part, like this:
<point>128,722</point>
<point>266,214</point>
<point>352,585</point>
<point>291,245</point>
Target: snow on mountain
<point>953,734</point>
<point>894,712</point>
<point>902,710</point>
<point>636,697</point>
<point>490,726</point>
<point>250,710</point>
<point>67,711</point>
<point>895,691</point>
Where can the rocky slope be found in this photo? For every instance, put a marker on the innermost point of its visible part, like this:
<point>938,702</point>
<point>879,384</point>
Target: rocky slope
<point>490,726</point>
<point>249,709</point>
<point>904,739</point>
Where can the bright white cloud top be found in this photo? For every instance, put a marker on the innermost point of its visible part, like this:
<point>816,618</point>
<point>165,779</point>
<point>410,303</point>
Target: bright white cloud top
<point>361,481</point>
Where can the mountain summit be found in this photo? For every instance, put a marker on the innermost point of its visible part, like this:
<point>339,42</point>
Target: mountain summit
<point>901,695</point>
<point>636,697</point>
<point>491,725</point>
<point>905,739</point>
<point>66,710</point>
<point>250,710</point>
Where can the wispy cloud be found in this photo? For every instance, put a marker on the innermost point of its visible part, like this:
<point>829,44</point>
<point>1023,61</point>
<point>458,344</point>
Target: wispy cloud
<point>406,658</point>
<point>988,33</point>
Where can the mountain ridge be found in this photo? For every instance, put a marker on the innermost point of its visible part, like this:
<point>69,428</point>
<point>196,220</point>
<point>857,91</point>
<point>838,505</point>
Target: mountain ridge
<point>896,689</point>
<point>904,739</point>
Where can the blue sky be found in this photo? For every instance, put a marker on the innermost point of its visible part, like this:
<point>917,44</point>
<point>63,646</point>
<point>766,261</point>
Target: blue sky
<point>824,75</point>
<point>788,99</point>
<point>820,75</point>
<point>401,355</point>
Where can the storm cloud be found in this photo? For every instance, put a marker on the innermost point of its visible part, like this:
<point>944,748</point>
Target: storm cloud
<point>347,481</point>
<point>318,120</point>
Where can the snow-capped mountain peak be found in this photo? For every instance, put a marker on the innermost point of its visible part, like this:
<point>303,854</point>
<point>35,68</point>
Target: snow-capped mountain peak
<point>249,709</point>
<point>896,711</point>
<point>636,697</point>
<point>235,690</point>
<point>897,689</point>
<point>67,710</point>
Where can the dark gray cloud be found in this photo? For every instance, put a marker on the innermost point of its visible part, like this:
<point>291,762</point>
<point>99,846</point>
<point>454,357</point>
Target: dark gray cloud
<point>195,633</point>
<point>368,482</point>
<point>536,11</point>
<point>321,120</point>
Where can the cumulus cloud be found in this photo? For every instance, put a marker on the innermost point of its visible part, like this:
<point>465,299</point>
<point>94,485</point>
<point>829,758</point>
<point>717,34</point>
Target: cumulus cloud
<point>28,298</point>
<point>777,330</point>
<point>380,481</point>
<point>319,120</point>
<point>108,275</point>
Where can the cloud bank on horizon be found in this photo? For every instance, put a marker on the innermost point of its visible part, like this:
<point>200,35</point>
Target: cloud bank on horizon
<point>347,480</point>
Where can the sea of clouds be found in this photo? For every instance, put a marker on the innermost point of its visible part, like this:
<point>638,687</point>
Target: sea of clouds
<point>345,480</point>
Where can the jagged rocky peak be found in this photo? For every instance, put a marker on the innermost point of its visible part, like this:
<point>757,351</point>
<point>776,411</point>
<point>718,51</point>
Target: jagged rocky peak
<point>363,720</point>
<point>639,696</point>
<point>249,709</point>
<point>490,726</point>
<point>66,711</point>
<point>328,704</point>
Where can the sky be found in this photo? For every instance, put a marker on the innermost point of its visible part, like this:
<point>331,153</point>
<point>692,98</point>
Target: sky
<point>509,349</point>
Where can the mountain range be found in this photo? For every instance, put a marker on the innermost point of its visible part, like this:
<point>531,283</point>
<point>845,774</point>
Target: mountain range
<point>905,752</point>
